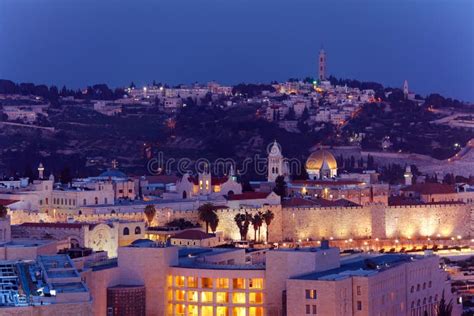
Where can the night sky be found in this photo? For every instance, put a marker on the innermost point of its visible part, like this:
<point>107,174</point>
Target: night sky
<point>77,43</point>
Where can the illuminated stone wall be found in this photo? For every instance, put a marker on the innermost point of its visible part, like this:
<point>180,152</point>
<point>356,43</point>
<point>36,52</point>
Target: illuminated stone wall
<point>376,221</point>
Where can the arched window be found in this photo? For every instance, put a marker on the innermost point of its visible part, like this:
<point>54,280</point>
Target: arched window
<point>96,200</point>
<point>185,195</point>
<point>126,231</point>
<point>417,287</point>
<point>112,212</point>
<point>84,202</point>
<point>230,193</point>
<point>105,200</point>
<point>138,230</point>
<point>412,289</point>
<point>80,212</point>
<point>424,285</point>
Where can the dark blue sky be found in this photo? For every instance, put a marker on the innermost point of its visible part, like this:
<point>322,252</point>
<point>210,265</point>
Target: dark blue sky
<point>430,43</point>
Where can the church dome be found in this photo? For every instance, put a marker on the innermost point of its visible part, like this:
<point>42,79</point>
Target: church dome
<point>320,158</point>
<point>113,173</point>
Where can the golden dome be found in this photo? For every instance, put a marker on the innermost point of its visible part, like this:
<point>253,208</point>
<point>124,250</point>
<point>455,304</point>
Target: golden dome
<point>321,158</point>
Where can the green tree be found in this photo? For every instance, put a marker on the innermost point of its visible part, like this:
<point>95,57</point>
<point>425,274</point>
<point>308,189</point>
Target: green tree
<point>214,222</point>
<point>207,214</point>
<point>3,211</point>
<point>150,213</point>
<point>268,217</point>
<point>280,186</point>
<point>257,222</point>
<point>444,309</point>
<point>243,223</point>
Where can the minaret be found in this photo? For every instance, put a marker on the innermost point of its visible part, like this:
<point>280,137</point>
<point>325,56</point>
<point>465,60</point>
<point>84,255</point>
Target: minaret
<point>275,162</point>
<point>322,65</point>
<point>40,171</point>
<point>405,89</point>
<point>408,176</point>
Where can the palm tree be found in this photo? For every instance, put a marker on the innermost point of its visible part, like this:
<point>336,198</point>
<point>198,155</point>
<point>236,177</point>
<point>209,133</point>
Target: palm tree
<point>268,217</point>
<point>3,211</point>
<point>444,309</point>
<point>214,223</point>
<point>207,214</point>
<point>150,213</point>
<point>257,222</point>
<point>243,223</point>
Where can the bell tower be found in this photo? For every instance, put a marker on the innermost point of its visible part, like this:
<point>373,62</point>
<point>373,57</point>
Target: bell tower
<point>275,162</point>
<point>322,65</point>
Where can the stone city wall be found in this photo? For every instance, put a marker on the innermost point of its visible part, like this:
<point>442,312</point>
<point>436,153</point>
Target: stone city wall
<point>371,221</point>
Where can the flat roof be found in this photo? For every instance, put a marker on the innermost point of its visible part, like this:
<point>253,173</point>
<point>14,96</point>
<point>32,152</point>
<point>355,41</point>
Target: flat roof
<point>365,267</point>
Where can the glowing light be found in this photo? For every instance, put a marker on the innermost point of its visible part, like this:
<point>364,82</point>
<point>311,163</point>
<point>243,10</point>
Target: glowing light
<point>376,239</point>
<point>331,238</point>
<point>459,236</point>
<point>397,241</point>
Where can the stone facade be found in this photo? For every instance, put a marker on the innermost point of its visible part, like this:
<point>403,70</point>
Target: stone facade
<point>370,221</point>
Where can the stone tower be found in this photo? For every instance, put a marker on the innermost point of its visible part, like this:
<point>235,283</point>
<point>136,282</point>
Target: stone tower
<point>408,176</point>
<point>405,89</point>
<point>322,65</point>
<point>275,162</point>
<point>40,171</point>
<point>204,179</point>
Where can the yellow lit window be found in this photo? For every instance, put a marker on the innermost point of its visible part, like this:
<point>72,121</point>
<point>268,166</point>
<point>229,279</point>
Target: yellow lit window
<point>192,296</point>
<point>169,310</point>
<point>238,311</point>
<point>200,184</point>
<point>179,309</point>
<point>238,283</point>
<point>179,295</point>
<point>238,298</point>
<point>256,283</point>
<point>206,283</point>
<point>256,298</point>
<point>222,297</point>
<point>169,280</point>
<point>217,188</point>
<point>170,295</point>
<point>207,311</point>
<point>192,310</point>
<point>222,283</point>
<point>222,311</point>
<point>256,311</point>
<point>179,281</point>
<point>207,184</point>
<point>206,297</point>
<point>192,282</point>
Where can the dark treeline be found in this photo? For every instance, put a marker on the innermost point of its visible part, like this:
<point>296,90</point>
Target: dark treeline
<point>52,93</point>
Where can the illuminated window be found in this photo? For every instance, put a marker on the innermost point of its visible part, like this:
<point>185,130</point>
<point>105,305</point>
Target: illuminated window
<point>206,283</point>
<point>217,188</point>
<point>256,298</point>
<point>192,310</point>
<point>238,298</point>
<point>179,281</point>
<point>222,311</point>
<point>179,295</point>
<point>192,296</point>
<point>238,283</point>
<point>311,294</point>
<point>222,283</point>
<point>222,297</point>
<point>256,311</point>
<point>179,309</point>
<point>170,309</point>
<point>207,184</point>
<point>192,282</point>
<point>238,311</point>
<point>256,283</point>
<point>206,297</point>
<point>200,184</point>
<point>169,280</point>
<point>207,311</point>
<point>170,295</point>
